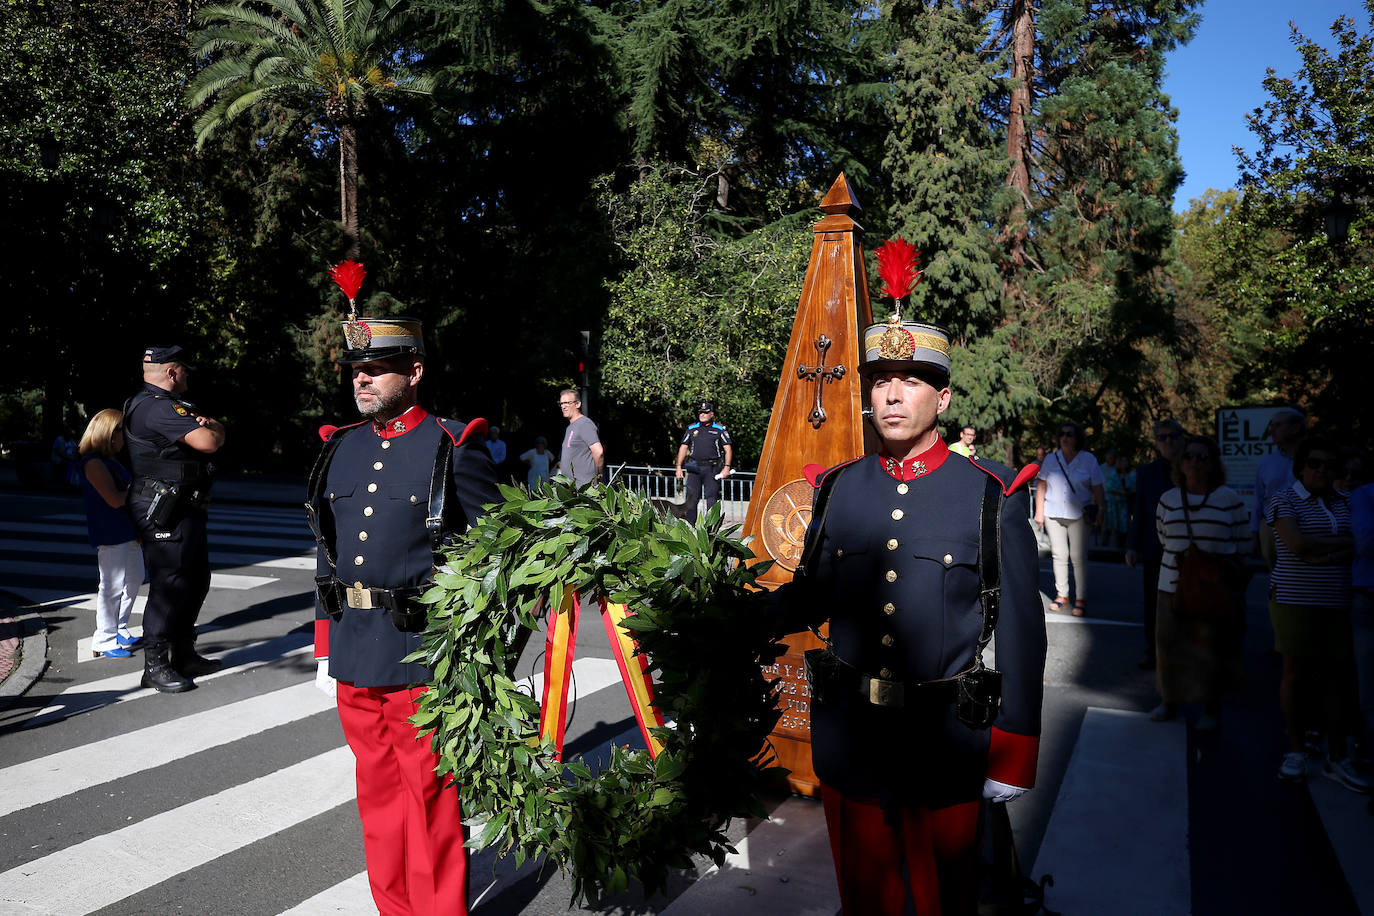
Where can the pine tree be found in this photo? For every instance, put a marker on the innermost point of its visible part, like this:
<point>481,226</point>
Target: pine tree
<point>1100,226</point>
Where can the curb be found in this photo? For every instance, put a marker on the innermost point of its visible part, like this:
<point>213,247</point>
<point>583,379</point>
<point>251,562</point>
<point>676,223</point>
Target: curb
<point>24,652</point>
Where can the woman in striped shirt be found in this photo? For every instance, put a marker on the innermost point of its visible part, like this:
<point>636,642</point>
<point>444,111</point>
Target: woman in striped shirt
<point>1313,550</point>
<point>1197,659</point>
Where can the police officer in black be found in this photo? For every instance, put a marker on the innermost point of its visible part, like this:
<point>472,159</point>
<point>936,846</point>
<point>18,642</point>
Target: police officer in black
<point>707,443</point>
<point>170,443</point>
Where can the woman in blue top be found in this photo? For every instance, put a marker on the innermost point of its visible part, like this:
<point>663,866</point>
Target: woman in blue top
<point>105,487</point>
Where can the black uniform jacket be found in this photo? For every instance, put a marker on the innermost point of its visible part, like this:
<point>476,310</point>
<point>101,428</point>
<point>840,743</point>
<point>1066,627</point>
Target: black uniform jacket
<point>895,571</point>
<point>377,487</point>
<point>160,420</point>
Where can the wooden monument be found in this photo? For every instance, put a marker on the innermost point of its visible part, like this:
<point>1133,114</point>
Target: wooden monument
<point>817,419</point>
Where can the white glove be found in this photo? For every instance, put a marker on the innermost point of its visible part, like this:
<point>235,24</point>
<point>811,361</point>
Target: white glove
<point>323,680</point>
<point>1000,791</point>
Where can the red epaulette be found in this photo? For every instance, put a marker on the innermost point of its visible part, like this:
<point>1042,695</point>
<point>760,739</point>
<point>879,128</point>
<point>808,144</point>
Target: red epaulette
<point>328,430</point>
<point>477,424</point>
<point>1022,476</point>
<point>816,473</point>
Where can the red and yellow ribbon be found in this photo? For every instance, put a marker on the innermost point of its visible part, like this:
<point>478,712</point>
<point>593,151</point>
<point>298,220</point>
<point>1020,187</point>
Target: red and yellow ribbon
<point>559,647</point>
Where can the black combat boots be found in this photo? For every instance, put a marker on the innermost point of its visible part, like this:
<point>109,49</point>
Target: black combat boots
<point>158,672</point>
<point>190,663</point>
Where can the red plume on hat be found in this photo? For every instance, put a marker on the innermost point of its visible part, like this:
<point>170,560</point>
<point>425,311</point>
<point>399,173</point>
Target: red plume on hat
<point>349,276</point>
<point>897,260</point>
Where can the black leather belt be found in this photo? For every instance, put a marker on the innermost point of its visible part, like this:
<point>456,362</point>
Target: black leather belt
<point>362,598</point>
<point>881,692</point>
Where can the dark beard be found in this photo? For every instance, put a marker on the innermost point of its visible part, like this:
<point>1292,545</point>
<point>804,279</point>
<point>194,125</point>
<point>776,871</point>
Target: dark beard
<point>383,408</point>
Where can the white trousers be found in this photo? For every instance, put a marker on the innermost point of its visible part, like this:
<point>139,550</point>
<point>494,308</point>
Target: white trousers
<point>121,575</point>
<point>1069,543</point>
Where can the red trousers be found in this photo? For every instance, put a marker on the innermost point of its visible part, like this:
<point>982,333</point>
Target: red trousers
<point>412,828</point>
<point>939,849</point>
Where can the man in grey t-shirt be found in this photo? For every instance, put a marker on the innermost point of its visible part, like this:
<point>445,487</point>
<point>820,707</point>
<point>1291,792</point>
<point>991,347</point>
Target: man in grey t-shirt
<point>581,457</point>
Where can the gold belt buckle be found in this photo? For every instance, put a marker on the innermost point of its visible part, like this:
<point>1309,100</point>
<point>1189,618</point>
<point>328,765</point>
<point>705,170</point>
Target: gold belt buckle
<point>885,693</point>
<point>359,598</point>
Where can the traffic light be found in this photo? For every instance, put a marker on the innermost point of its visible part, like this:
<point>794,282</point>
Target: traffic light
<point>584,361</point>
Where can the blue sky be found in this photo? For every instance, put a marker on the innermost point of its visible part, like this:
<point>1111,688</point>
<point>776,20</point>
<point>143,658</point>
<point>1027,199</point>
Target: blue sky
<point>1215,80</point>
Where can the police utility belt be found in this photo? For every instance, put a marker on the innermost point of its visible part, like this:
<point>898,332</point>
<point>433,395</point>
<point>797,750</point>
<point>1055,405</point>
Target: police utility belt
<point>976,692</point>
<point>407,614</point>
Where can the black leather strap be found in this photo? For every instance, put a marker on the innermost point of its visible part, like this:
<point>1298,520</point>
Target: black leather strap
<point>440,482</point>
<point>989,563</point>
<point>318,511</point>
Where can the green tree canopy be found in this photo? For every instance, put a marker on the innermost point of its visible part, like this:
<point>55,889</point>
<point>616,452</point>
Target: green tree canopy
<point>1311,176</point>
<point>335,59</point>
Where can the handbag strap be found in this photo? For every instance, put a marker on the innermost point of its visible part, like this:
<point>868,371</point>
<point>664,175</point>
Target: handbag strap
<point>1188,519</point>
<point>1073,488</point>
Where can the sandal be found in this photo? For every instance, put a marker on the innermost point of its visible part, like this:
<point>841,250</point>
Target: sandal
<point>1080,609</point>
<point>1060,604</point>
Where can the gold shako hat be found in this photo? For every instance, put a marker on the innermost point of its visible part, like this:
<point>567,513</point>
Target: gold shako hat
<point>896,344</point>
<point>366,339</point>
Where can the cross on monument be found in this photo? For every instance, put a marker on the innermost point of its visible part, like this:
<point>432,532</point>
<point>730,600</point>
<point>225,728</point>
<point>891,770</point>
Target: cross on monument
<point>821,373</point>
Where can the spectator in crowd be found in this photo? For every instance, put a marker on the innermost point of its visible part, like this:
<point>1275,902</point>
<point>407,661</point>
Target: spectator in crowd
<point>1070,498</point>
<point>64,459</point>
<point>1310,611</point>
<point>496,445</point>
<point>1286,428</point>
<point>1352,475</point>
<point>538,460</point>
<point>965,444</point>
<point>1362,601</point>
<point>105,490</point>
<point>581,456</point>
<point>1118,513</point>
<point>1142,540</point>
<point>1199,658</point>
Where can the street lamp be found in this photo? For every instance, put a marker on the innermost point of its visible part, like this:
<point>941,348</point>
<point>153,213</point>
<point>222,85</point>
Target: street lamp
<point>1336,218</point>
<point>49,151</point>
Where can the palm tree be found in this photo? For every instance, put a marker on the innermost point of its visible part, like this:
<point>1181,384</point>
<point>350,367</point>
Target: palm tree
<point>343,55</point>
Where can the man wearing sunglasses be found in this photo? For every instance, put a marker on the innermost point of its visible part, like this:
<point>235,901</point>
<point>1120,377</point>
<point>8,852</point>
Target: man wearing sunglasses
<point>1142,542</point>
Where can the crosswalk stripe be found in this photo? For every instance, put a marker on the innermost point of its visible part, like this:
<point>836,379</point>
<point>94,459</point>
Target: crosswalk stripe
<point>122,688</point>
<point>106,869</point>
<point>589,676</point>
<point>67,548</point>
<point>352,897</point>
<point>89,571</point>
<point>301,562</point>
<point>39,781</point>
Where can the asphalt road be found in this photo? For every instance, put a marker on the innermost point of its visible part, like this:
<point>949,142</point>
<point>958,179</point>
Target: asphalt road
<point>237,797</point>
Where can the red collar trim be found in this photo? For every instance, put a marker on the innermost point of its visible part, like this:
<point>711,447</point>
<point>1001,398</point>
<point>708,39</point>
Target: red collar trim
<point>918,465</point>
<point>402,424</point>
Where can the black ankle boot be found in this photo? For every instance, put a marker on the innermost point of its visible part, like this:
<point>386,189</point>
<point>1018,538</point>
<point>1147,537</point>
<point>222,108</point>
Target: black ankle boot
<point>158,672</point>
<point>187,661</point>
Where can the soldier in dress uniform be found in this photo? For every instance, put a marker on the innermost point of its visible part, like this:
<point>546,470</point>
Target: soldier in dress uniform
<point>384,496</point>
<point>170,443</point>
<point>917,556</point>
<point>707,443</point>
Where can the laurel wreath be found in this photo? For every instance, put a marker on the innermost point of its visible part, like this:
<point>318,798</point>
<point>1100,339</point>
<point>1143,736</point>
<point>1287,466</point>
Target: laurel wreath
<point>695,619</point>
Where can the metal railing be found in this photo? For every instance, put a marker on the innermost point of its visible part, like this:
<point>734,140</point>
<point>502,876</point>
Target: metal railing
<point>662,483</point>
